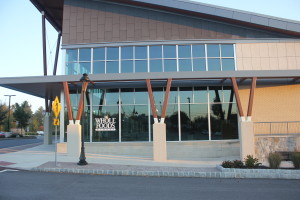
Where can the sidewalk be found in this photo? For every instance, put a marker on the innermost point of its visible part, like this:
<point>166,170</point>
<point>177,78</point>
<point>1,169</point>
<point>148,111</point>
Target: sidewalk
<point>42,158</point>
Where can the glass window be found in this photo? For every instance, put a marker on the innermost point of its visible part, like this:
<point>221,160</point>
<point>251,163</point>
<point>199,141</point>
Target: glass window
<point>141,96</point>
<point>170,65</point>
<point>228,64</point>
<point>228,94</point>
<point>141,52</point>
<point>227,50</point>
<point>72,55</point>
<point>184,51</point>
<point>99,67</point>
<point>214,64</point>
<point>72,68</point>
<point>141,66</point>
<point>158,94</point>
<point>85,67</point>
<point>112,67</point>
<point>171,121</point>
<point>200,95</point>
<point>169,51</point>
<point>98,97</point>
<point>155,65</point>
<point>199,64</point>
<point>198,50</point>
<point>127,96</point>
<point>213,50</point>
<point>112,53</point>
<point>127,52</point>
<point>99,54</point>
<point>84,54</point>
<point>215,94</point>
<point>186,95</point>
<point>185,65</point>
<point>127,66</point>
<point>135,123</point>
<point>173,96</point>
<point>194,122</point>
<point>155,52</point>
<point>112,97</point>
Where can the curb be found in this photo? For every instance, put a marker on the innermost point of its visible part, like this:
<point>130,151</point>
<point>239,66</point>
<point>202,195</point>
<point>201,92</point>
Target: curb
<point>224,173</point>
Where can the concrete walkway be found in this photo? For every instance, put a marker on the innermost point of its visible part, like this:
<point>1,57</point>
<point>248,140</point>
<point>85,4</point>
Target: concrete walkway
<point>42,158</point>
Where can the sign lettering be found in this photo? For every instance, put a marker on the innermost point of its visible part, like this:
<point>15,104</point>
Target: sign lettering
<point>105,124</point>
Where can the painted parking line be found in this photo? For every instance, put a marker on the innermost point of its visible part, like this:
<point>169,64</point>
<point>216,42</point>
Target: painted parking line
<point>9,170</point>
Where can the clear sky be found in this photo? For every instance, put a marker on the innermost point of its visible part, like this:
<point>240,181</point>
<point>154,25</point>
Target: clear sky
<point>21,37</point>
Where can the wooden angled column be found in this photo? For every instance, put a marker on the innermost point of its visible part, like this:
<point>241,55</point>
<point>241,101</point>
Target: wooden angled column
<point>237,97</point>
<point>251,99</point>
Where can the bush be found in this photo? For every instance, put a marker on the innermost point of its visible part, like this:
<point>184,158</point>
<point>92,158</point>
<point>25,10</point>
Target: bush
<point>296,160</point>
<point>274,160</point>
<point>227,164</point>
<point>238,164</point>
<point>251,162</point>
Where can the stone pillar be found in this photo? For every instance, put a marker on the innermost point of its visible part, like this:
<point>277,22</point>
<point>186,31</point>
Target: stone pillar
<point>159,142</point>
<point>246,135</point>
<point>74,138</point>
<point>47,129</point>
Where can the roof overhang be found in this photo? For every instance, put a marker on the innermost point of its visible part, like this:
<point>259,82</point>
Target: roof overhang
<point>51,86</point>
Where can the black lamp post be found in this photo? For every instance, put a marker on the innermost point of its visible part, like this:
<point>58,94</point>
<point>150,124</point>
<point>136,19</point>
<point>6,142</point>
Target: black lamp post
<point>8,124</point>
<point>82,161</point>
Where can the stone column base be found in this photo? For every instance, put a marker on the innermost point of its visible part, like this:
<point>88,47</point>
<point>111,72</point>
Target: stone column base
<point>246,134</point>
<point>159,142</point>
<point>74,139</point>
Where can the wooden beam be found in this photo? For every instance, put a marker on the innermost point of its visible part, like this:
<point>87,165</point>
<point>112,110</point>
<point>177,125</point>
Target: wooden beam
<point>163,113</point>
<point>237,96</point>
<point>80,105</point>
<point>68,100</point>
<point>151,97</point>
<point>251,97</point>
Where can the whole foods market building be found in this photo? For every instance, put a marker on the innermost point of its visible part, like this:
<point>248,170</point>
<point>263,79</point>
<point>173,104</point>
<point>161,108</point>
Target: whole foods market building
<point>181,72</point>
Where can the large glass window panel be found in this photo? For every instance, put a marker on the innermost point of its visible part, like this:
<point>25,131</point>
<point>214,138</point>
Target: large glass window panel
<point>135,123</point>
<point>72,68</point>
<point>213,50</point>
<point>215,94</point>
<point>72,55</point>
<point>141,52</point>
<point>199,64</point>
<point>126,66</point>
<point>85,67</point>
<point>112,67</point>
<point>228,94</point>
<point>112,96</point>
<point>86,127</point>
<point>200,95</point>
<point>127,96</point>
<point>198,50</point>
<point>173,96</point>
<point>170,65</point>
<point>171,121</point>
<point>141,66</point>
<point>112,53</point>
<point>169,51</point>
<point>186,95</point>
<point>99,67</point>
<point>223,119</point>
<point>185,65</point>
<point>84,54</point>
<point>158,94</point>
<point>110,114</point>
<point>214,64</point>
<point>184,51</point>
<point>155,52</point>
<point>99,54</point>
<point>127,52</point>
<point>194,122</point>
<point>141,96</point>
<point>228,64</point>
<point>227,50</point>
<point>155,65</point>
<point>74,98</point>
<point>98,97</point>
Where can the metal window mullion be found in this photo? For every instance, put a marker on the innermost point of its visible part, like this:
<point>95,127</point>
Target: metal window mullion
<point>133,58</point>
<point>149,121</point>
<point>177,59</point>
<point>208,113</point>
<point>91,116</point>
<point>119,59</point>
<point>179,109</point>
<point>192,60</point>
<point>78,63</point>
<point>206,60</point>
<point>120,120</point>
<point>92,61</point>
<point>163,58</point>
<point>220,57</point>
<point>234,57</point>
<point>105,55</point>
<point>148,58</point>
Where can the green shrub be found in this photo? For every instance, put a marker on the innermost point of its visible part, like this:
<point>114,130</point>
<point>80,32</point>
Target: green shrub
<point>227,164</point>
<point>238,164</point>
<point>274,160</point>
<point>251,162</point>
<point>296,159</point>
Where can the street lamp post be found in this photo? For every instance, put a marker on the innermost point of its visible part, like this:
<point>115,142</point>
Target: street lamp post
<point>8,124</point>
<point>84,79</point>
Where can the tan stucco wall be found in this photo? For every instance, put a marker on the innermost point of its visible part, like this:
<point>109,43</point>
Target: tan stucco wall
<point>273,103</point>
<point>268,56</point>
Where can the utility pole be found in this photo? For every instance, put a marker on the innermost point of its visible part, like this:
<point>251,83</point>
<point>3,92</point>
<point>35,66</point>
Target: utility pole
<point>8,124</point>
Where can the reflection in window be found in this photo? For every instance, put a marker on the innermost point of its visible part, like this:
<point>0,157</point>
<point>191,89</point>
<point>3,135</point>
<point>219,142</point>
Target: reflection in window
<point>199,51</point>
<point>98,97</point>
<point>112,97</point>
<point>213,64</point>
<point>200,95</point>
<point>185,65</point>
<point>141,96</point>
<point>127,52</point>
<point>112,67</point>
<point>184,51</point>
<point>99,67</point>
<point>72,55</point>
<point>215,94</point>
<point>141,52</point>
<point>227,50</point>
<point>170,65</point>
<point>85,67</point>
<point>141,66</point>
<point>170,51</point>
<point>99,54</point>
<point>127,96</point>
<point>127,66</point>
<point>72,68</point>
<point>155,65</point>
<point>171,121</point>
<point>84,54</point>
<point>155,52</point>
<point>228,64</point>
<point>112,53</point>
<point>213,50</point>
<point>199,64</point>
<point>186,95</point>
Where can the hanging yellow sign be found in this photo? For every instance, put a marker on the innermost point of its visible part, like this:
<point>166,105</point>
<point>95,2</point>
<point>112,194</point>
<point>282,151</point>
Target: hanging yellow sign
<point>56,107</point>
<point>56,122</point>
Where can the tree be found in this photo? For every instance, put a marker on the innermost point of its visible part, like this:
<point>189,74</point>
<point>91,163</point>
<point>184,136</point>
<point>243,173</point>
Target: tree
<point>22,114</point>
<point>37,120</point>
<point>3,113</point>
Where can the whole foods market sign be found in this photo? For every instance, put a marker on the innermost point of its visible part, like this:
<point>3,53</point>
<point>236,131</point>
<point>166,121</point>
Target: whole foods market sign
<point>105,124</point>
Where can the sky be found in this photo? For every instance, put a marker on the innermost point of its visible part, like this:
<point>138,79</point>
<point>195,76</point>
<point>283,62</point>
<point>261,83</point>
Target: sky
<point>21,38</point>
